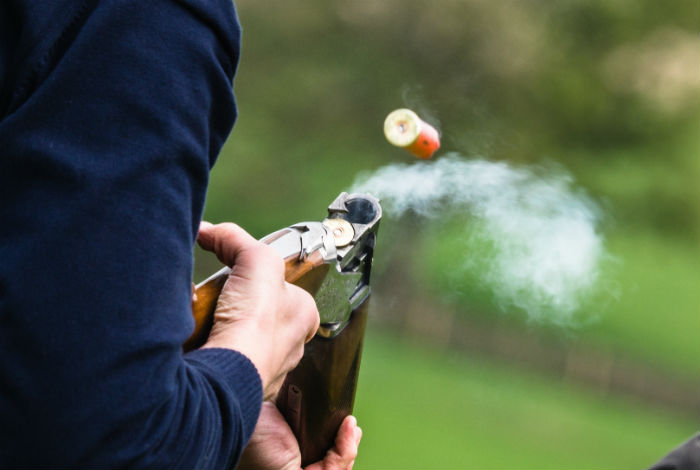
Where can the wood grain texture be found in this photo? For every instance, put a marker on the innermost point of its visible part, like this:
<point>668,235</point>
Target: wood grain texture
<point>308,274</point>
<point>320,392</point>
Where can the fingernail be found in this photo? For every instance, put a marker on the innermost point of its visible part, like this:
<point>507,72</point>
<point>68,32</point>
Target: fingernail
<point>353,421</point>
<point>204,234</point>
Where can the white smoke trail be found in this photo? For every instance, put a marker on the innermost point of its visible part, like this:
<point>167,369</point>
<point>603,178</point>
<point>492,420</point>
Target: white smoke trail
<point>545,246</point>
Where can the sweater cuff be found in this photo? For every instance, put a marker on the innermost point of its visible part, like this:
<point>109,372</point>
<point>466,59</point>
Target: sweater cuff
<point>238,373</point>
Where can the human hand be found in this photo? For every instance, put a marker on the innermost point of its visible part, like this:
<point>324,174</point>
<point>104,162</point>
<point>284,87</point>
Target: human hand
<point>258,313</point>
<point>273,445</point>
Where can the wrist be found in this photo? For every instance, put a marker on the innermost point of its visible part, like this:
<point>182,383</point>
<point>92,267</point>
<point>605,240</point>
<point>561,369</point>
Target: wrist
<point>245,341</point>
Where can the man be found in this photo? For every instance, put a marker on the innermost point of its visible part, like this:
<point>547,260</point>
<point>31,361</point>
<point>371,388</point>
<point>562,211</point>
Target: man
<point>111,116</point>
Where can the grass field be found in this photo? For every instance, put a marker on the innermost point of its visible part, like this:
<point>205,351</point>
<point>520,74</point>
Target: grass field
<point>647,309</point>
<point>423,409</point>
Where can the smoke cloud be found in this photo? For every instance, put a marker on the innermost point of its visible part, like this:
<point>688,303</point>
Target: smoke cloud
<point>545,249</point>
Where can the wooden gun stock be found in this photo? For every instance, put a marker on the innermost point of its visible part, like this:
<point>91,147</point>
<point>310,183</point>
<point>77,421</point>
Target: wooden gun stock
<point>307,274</point>
<point>318,394</point>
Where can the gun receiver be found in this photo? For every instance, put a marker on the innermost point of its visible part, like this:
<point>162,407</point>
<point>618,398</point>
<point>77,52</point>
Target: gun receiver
<point>332,261</point>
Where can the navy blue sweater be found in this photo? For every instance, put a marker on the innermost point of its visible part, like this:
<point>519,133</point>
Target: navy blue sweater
<point>111,115</point>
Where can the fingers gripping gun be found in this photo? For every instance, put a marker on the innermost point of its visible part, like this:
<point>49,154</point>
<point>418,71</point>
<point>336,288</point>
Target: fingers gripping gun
<point>331,260</point>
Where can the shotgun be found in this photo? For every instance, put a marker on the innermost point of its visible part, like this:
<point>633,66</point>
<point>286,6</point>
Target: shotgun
<point>332,261</point>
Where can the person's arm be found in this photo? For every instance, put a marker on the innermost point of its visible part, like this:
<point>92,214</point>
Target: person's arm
<point>110,120</point>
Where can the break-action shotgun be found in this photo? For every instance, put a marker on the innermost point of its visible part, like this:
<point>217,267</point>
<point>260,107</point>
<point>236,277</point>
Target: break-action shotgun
<point>331,260</point>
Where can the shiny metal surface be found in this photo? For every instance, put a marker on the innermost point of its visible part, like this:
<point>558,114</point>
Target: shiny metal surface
<point>350,255</point>
<point>333,297</point>
<point>342,231</point>
<point>347,284</point>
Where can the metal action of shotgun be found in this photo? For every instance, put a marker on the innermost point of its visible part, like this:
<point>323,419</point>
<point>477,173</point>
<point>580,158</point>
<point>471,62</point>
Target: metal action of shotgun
<point>331,260</point>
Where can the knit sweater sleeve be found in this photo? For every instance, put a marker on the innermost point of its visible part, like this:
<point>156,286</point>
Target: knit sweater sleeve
<point>111,115</point>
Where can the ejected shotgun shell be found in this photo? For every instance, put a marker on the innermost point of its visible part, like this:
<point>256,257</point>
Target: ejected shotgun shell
<point>405,129</point>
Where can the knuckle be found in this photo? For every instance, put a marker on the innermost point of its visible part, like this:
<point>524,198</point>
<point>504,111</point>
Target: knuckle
<point>227,231</point>
<point>299,355</point>
<point>307,298</point>
<point>311,311</point>
<point>228,226</point>
<point>276,264</point>
<point>268,253</point>
<point>305,310</point>
<point>307,303</point>
<point>267,258</point>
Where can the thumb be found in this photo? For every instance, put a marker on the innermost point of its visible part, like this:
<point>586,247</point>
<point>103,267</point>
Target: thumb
<point>227,241</point>
<point>342,455</point>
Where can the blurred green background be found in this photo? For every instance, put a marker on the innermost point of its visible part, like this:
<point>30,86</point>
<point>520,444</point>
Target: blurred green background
<point>608,90</point>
